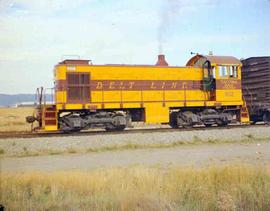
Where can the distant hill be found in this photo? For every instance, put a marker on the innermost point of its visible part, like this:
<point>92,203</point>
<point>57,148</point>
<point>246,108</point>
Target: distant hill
<point>9,100</point>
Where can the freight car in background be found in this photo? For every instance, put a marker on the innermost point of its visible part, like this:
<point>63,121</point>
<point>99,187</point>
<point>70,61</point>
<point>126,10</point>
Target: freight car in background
<point>256,87</point>
<point>206,91</point>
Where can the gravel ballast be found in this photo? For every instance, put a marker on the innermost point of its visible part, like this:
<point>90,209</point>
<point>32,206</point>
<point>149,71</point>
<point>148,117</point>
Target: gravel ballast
<point>77,144</point>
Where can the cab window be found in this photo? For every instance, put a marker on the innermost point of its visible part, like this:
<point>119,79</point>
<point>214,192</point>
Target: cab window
<point>233,72</point>
<point>223,71</point>
<point>214,72</point>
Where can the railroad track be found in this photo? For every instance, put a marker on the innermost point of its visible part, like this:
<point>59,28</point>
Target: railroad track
<point>5,135</point>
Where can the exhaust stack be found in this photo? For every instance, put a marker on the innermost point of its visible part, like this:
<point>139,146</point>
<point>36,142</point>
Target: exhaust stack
<point>161,61</point>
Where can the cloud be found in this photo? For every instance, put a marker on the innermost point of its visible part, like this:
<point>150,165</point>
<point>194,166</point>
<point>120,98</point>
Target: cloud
<point>40,6</point>
<point>35,34</point>
<point>175,9</point>
<point>97,31</point>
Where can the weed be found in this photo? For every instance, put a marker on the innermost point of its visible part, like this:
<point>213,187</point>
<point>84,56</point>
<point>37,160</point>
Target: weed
<point>230,187</point>
<point>13,119</point>
<point>197,139</point>
<point>2,151</point>
<point>90,149</point>
<point>212,141</point>
<point>250,136</point>
<point>225,202</point>
<point>71,150</point>
<point>53,152</point>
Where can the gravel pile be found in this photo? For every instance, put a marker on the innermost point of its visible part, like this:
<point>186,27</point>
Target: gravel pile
<point>71,144</point>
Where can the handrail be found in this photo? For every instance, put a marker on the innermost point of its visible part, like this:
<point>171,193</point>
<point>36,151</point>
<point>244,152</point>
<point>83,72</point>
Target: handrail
<point>51,94</point>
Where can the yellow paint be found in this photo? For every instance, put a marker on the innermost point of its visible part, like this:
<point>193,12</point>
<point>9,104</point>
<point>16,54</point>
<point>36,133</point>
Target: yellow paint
<point>50,128</point>
<point>59,107</point>
<point>60,72</point>
<point>156,103</point>
<point>73,106</point>
<point>232,95</point>
<point>137,72</point>
<point>194,104</point>
<point>244,110</point>
<point>111,96</point>
<point>61,97</point>
<point>131,105</point>
<point>155,113</point>
<point>245,120</point>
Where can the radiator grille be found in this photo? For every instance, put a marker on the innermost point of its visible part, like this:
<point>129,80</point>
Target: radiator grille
<point>78,87</point>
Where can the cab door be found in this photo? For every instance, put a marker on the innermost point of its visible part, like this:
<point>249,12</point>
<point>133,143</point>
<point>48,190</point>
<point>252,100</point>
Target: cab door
<point>209,82</point>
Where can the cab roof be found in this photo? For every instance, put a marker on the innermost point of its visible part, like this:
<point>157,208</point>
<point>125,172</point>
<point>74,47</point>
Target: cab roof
<point>221,60</point>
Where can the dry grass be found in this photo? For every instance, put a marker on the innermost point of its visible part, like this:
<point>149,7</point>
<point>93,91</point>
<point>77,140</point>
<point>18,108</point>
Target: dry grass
<point>210,188</point>
<point>13,119</point>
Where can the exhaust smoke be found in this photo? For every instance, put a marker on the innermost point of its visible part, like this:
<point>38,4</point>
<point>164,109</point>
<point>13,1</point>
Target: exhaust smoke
<point>168,10</point>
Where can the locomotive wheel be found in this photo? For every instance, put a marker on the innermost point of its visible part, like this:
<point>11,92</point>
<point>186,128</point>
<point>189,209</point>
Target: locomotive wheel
<point>183,123</point>
<point>184,120</point>
<point>116,125</point>
<point>221,123</point>
<point>187,126</point>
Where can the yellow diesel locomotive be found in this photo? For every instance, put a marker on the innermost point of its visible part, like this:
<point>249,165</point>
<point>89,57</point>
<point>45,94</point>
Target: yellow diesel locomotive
<point>206,91</point>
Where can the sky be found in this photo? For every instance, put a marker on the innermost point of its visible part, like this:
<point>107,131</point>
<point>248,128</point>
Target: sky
<point>37,34</point>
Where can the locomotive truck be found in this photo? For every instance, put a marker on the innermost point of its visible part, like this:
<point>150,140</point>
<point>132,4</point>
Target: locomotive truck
<point>207,91</point>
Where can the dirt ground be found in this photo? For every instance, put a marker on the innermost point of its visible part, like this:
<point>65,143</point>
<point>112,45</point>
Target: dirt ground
<point>181,148</point>
<point>199,155</point>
